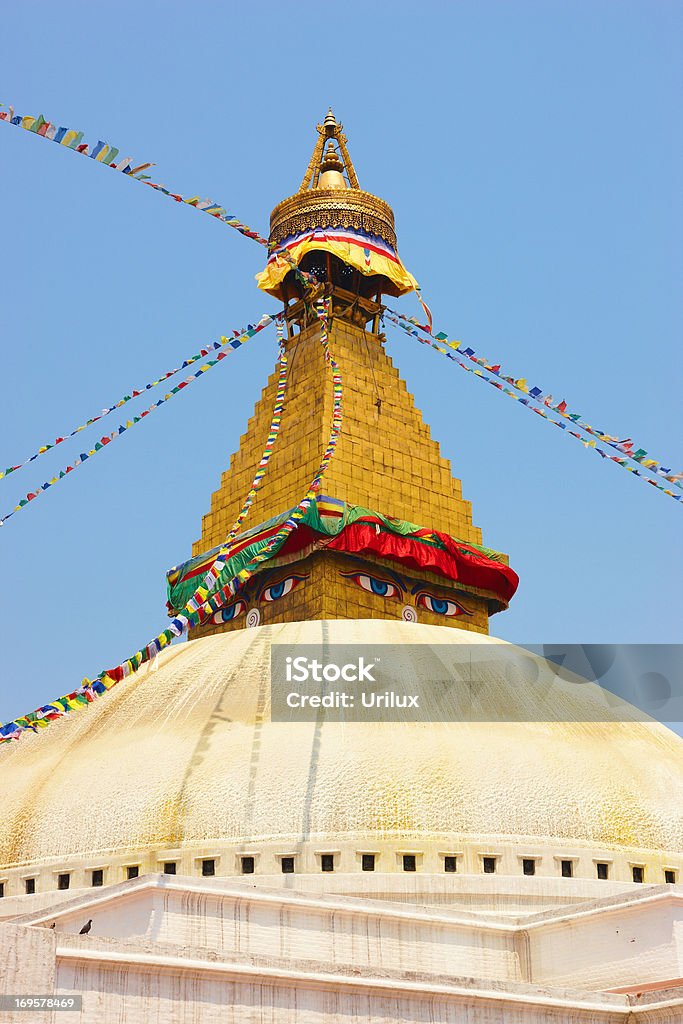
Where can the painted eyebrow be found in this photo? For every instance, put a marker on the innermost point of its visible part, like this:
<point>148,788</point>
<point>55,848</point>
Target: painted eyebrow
<point>402,582</point>
<point>387,576</point>
<point>420,586</point>
<point>269,583</point>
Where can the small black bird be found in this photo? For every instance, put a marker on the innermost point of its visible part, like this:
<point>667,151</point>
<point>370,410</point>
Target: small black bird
<point>86,928</point>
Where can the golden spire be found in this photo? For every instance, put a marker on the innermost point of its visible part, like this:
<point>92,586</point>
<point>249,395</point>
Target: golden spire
<point>331,170</point>
<point>320,163</point>
<point>330,197</point>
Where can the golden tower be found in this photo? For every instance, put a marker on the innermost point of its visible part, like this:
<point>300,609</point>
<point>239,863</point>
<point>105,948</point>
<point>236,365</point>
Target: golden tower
<point>393,536</point>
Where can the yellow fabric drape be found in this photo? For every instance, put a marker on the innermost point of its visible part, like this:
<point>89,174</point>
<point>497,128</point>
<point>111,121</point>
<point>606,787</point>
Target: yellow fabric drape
<point>356,252</point>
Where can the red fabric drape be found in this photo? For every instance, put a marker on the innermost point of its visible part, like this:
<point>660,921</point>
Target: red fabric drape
<point>472,569</point>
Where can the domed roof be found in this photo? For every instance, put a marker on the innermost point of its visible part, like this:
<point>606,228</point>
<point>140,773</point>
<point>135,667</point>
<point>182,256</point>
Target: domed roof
<point>187,753</point>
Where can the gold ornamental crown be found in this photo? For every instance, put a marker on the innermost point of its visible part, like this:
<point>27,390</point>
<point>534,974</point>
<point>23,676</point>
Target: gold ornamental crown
<point>329,195</point>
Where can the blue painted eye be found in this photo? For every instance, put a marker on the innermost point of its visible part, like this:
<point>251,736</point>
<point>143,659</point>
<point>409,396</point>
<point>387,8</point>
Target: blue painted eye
<point>440,606</point>
<point>374,585</point>
<point>230,613</point>
<point>277,590</point>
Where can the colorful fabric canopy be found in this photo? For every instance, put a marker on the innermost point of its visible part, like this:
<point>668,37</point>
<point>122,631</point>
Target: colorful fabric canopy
<point>367,253</point>
<point>332,523</point>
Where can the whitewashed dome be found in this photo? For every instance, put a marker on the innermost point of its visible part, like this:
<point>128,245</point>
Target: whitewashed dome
<point>185,757</point>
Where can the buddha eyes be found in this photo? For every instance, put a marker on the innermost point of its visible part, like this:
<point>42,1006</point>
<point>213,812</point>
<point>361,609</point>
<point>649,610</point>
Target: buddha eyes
<point>439,605</point>
<point>277,590</point>
<point>231,612</point>
<point>423,599</point>
<point>270,593</point>
<point>374,585</point>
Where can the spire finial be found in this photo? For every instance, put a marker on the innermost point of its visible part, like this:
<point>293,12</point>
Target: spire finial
<point>330,130</point>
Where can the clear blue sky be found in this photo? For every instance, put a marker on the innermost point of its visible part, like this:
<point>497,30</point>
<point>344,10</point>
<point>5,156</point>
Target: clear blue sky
<point>532,153</point>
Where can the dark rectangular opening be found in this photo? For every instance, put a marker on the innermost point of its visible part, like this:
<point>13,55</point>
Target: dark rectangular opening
<point>208,868</point>
<point>529,866</point>
<point>670,877</point>
<point>409,862</point>
<point>98,876</point>
<point>287,865</point>
<point>450,864</point>
<point>133,870</point>
<point>602,870</point>
<point>63,881</point>
<point>30,886</point>
<point>638,873</point>
<point>2,890</point>
<point>368,862</point>
<point>169,867</point>
<point>327,862</point>
<point>489,865</point>
<point>247,865</point>
<point>567,869</point>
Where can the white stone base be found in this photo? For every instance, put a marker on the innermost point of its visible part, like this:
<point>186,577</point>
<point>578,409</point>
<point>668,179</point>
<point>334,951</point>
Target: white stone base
<point>174,950</point>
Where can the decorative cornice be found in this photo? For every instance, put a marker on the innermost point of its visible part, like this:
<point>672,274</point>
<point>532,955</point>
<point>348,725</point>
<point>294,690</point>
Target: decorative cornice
<point>332,208</point>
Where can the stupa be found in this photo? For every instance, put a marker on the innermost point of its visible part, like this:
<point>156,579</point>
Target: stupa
<point>239,869</point>
<point>392,537</point>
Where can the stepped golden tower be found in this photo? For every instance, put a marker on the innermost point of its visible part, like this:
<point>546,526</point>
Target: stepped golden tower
<point>407,547</point>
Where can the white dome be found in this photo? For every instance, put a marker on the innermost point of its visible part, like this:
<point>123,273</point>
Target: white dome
<point>186,756</point>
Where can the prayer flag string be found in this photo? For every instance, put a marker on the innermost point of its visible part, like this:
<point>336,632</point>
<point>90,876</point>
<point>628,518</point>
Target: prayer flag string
<point>231,343</point>
<point>625,447</point>
<point>108,155</point>
<point>237,338</point>
<point>226,593</point>
<point>202,603</point>
<point>213,574</point>
<point>190,616</point>
<point>526,398</point>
